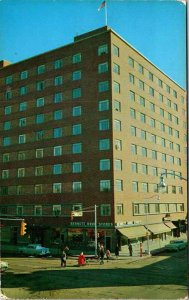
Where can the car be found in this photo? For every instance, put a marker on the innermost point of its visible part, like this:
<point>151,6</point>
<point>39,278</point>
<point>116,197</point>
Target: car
<point>3,266</point>
<point>34,250</point>
<point>176,245</point>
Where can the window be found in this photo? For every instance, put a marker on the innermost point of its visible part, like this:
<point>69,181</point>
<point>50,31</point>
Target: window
<point>131,62</point>
<point>58,64</point>
<point>134,149</point>
<point>57,132</point>
<point>104,164</point>
<point>161,112</point>
<point>58,80</point>
<point>168,89</point>
<point>21,138</point>
<point>103,86</point>
<point>104,124</point>
<point>118,164</point>
<point>131,95</point>
<point>6,141</point>
<point>57,169</point>
<point>119,185</point>
<point>6,157</point>
<point>40,86</point>
<point>152,123</point>
<point>150,76</point>
<point>133,131</point>
<point>8,110</point>
<point>57,210</point>
<point>76,129</point>
<point>104,185</point>
<point>152,106</point>
<point>153,138</point>
<point>135,186</point>
<point>144,186</point>
<point>116,86</point>
<point>7,125</point>
<point>19,210</point>
<point>103,67</point>
<point>175,107</point>
<point>115,50</point>
<point>57,188</point>
<point>39,153</point>
<point>160,83</point>
<point>76,75</point>
<point>136,209</point>
<point>4,190</point>
<point>144,169</point>
<point>77,167</point>
<point>151,91</point>
<point>38,210</point>
<point>144,151</point>
<point>57,150</point>
<point>104,144</point>
<point>141,85</point>
<point>103,49</point>
<point>39,135</point>
<point>142,101</point>
<point>76,111</point>
<point>23,90</point>
<point>140,69</point>
<point>119,209</point>
<point>116,68</point>
<point>118,144</point>
<point>160,97</point>
<point>8,94</point>
<point>103,105</point>
<point>40,102</point>
<point>132,113</point>
<point>22,122</point>
<point>154,171</point>
<point>174,93</point>
<point>143,118</point>
<point>21,172</point>
<point>117,125</point>
<point>21,155</point>
<point>9,79</point>
<point>58,97</point>
<point>77,186</point>
<point>24,75</point>
<point>154,154</point>
<point>41,69</point>
<point>22,106</point>
<point>131,78</point>
<point>168,102</point>
<point>134,167</point>
<point>57,114</point>
<point>76,58</point>
<point>39,171</point>
<point>117,105</point>
<point>76,93</point>
<point>77,148</point>
<point>105,210</point>
<point>5,174</point>
<point>40,119</point>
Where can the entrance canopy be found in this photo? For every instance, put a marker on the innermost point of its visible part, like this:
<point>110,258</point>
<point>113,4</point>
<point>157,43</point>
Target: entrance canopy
<point>133,232</point>
<point>158,228</point>
<point>170,225</point>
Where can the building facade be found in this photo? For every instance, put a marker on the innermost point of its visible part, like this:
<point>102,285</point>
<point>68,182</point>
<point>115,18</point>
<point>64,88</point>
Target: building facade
<point>91,123</point>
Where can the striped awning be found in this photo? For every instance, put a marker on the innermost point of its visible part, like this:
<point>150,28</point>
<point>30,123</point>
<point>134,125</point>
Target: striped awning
<point>133,232</point>
<point>158,228</point>
<point>170,225</point>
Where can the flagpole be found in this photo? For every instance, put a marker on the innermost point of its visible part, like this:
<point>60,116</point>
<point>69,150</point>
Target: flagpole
<point>106,13</point>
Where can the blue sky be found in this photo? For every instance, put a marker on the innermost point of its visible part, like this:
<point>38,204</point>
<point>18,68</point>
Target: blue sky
<point>156,28</point>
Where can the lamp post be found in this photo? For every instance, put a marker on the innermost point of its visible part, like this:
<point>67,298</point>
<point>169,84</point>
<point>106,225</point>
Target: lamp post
<point>146,222</point>
<point>162,183</point>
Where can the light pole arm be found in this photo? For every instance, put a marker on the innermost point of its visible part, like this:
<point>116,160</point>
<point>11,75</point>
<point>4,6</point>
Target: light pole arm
<point>169,173</point>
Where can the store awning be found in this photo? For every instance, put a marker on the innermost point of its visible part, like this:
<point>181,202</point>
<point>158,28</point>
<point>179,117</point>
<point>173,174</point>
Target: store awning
<point>170,225</point>
<point>133,232</point>
<point>158,228</point>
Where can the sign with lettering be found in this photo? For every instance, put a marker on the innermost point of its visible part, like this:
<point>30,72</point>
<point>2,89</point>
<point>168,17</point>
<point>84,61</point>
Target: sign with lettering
<point>90,224</point>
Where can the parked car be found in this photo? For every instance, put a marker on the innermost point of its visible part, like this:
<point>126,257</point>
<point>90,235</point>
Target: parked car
<point>176,245</point>
<point>34,250</point>
<point>3,266</point>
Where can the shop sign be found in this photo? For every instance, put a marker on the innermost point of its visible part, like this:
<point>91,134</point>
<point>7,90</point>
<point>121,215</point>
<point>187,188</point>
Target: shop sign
<point>90,224</point>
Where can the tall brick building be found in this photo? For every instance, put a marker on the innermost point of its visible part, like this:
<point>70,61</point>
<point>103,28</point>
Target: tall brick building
<point>91,123</point>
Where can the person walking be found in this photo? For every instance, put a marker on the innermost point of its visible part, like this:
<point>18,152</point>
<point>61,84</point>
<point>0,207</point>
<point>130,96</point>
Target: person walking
<point>63,259</point>
<point>101,254</point>
<point>117,251</point>
<point>130,249</point>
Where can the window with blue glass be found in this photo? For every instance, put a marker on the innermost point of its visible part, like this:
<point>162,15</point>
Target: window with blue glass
<point>58,115</point>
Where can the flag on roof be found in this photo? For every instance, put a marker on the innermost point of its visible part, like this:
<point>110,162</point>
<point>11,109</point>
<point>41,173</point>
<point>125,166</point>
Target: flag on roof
<point>102,5</point>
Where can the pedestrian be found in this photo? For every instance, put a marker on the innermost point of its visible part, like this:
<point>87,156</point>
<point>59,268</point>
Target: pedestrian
<point>101,254</point>
<point>117,251</point>
<point>98,251</point>
<point>66,250</point>
<point>63,259</point>
<point>81,259</point>
<point>130,249</point>
<point>108,254</point>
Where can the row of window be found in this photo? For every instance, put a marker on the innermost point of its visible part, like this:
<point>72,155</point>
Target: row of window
<point>146,187</point>
<point>153,78</point>
<point>157,208</point>
<point>154,108</point>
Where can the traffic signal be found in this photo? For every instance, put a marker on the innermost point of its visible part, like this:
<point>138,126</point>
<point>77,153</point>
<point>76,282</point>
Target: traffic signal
<point>23,228</point>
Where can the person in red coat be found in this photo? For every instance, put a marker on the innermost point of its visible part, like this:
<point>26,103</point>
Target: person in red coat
<point>81,259</point>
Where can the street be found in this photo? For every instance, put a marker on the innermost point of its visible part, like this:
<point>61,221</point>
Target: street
<point>157,277</point>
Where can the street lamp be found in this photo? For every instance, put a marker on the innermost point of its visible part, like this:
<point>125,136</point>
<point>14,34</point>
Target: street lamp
<point>162,183</point>
<point>146,222</point>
